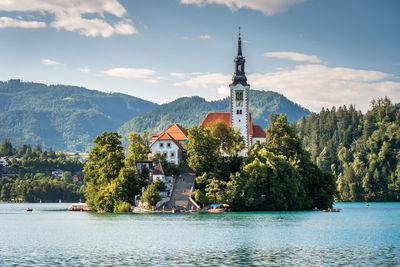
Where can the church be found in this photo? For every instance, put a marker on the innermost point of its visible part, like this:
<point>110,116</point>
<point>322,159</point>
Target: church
<point>239,116</point>
<point>172,141</point>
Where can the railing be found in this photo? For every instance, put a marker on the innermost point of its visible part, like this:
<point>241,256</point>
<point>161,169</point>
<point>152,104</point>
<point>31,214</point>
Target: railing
<point>162,202</point>
<point>190,196</point>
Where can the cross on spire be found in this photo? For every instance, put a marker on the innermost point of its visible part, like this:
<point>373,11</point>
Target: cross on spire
<point>239,53</point>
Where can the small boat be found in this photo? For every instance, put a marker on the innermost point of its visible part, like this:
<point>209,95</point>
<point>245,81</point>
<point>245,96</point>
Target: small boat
<point>29,209</point>
<point>79,207</point>
<point>367,204</point>
<point>219,208</point>
<point>331,210</point>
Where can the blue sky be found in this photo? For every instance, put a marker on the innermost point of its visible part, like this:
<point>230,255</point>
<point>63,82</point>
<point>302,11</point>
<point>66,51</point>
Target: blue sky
<point>318,53</point>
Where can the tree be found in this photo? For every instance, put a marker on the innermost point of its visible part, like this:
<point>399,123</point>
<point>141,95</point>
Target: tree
<point>139,148</point>
<point>267,182</point>
<point>103,168</point>
<point>67,177</point>
<point>150,196</point>
<point>6,148</point>
<point>282,141</point>
<point>159,185</point>
<point>202,149</point>
<point>231,142</point>
<point>200,197</point>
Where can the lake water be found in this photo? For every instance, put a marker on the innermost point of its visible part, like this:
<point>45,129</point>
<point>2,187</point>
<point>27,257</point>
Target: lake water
<point>52,236</point>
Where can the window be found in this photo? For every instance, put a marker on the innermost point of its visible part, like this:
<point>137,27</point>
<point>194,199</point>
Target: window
<point>165,154</point>
<point>161,144</point>
<point>168,145</point>
<point>172,154</point>
<point>239,95</point>
<point>239,111</point>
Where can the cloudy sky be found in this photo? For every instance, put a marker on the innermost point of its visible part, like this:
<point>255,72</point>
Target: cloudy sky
<point>318,53</point>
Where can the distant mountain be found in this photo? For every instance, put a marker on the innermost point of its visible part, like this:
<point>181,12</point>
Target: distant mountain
<point>190,111</point>
<point>60,116</point>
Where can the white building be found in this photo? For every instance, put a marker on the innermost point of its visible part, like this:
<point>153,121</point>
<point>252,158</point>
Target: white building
<point>3,162</point>
<point>170,143</point>
<point>239,116</point>
<point>57,173</point>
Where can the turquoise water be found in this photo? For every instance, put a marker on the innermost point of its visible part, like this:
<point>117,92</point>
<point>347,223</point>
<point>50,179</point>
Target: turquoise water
<point>52,236</point>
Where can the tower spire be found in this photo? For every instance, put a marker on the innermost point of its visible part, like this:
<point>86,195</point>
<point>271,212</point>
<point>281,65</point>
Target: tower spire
<point>239,76</point>
<point>239,53</point>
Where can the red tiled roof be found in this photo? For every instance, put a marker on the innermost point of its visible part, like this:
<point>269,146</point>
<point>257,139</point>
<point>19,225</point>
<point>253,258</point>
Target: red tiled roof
<point>175,130</point>
<point>158,170</point>
<point>166,136</point>
<point>258,131</point>
<point>214,116</point>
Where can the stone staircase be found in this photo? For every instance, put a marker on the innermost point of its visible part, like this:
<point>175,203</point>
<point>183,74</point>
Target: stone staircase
<point>181,193</point>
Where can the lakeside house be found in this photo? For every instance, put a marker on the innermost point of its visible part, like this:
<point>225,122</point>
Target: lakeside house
<point>57,173</point>
<point>171,143</point>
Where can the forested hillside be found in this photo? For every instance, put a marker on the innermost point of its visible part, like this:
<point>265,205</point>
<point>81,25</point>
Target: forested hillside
<point>60,116</point>
<point>363,151</point>
<point>190,111</point>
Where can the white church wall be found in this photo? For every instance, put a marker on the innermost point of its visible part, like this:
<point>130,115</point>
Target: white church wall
<point>240,121</point>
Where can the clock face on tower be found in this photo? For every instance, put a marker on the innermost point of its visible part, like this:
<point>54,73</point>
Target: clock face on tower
<point>239,103</point>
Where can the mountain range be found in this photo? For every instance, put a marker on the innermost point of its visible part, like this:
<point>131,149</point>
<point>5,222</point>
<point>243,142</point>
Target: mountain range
<point>190,111</point>
<point>70,117</point>
<point>60,116</point>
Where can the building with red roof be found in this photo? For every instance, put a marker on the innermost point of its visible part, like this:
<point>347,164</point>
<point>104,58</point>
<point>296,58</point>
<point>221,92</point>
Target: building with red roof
<point>239,116</point>
<point>171,143</point>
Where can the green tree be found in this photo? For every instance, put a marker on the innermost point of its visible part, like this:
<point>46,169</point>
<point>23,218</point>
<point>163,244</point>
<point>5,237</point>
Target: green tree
<point>139,148</point>
<point>159,185</point>
<point>102,170</point>
<point>200,198</point>
<point>150,196</point>
<point>202,149</point>
<point>67,177</point>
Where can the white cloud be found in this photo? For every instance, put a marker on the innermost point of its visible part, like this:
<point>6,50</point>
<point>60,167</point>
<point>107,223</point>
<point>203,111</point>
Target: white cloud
<point>85,70</point>
<point>294,56</point>
<point>18,23</point>
<point>223,90</point>
<point>313,86</point>
<point>178,74</point>
<point>207,80</point>
<point>205,37</point>
<point>133,73</point>
<point>317,86</point>
<point>268,7</point>
<point>50,62</point>
<point>68,15</point>
<point>216,83</point>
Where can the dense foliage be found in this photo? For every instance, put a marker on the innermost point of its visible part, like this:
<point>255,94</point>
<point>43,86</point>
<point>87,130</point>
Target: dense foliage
<point>112,180</point>
<point>60,116</point>
<point>276,175</point>
<point>362,151</point>
<point>28,176</point>
<point>190,111</point>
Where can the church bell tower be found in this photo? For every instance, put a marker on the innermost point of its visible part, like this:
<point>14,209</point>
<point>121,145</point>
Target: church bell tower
<point>239,101</point>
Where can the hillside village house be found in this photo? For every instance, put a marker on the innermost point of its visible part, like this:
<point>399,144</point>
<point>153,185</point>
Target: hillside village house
<point>171,143</point>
